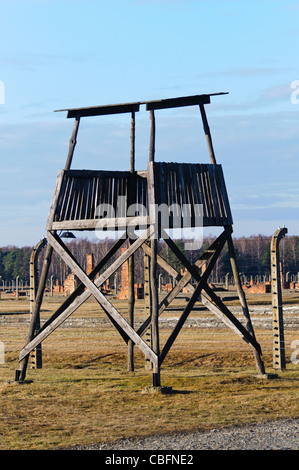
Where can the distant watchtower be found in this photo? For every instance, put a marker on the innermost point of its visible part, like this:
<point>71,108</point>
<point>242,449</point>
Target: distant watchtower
<point>190,194</point>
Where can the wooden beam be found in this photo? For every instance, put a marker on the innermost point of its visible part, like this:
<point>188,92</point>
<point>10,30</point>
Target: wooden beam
<point>113,223</point>
<point>133,107</point>
<point>131,295</point>
<point>101,110</point>
<point>178,102</point>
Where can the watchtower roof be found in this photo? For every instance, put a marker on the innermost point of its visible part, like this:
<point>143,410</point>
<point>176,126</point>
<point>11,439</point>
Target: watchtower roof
<point>191,193</point>
<point>135,106</point>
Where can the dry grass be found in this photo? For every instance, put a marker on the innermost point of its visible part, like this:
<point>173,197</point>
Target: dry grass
<point>83,394</point>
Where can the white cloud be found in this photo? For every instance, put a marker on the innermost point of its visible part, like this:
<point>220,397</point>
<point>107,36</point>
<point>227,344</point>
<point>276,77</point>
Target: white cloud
<point>276,93</point>
<point>30,61</point>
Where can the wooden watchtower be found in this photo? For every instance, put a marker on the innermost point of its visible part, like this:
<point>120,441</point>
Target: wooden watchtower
<point>189,193</point>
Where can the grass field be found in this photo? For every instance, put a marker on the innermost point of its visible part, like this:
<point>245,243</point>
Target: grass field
<point>83,394</point>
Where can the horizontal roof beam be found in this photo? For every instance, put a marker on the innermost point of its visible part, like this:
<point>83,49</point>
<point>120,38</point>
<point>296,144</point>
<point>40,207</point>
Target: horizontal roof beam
<point>178,102</point>
<point>102,110</point>
<point>134,107</point>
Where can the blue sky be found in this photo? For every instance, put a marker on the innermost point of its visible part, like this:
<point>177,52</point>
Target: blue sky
<point>72,53</point>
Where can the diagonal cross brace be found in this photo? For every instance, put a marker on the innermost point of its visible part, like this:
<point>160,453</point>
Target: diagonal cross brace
<point>183,280</point>
<point>63,251</point>
<point>202,280</point>
<point>193,270</point>
<point>92,289</point>
<point>71,303</point>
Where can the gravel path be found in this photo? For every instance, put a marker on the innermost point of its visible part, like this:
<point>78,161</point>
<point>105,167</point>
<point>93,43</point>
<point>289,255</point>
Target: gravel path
<point>277,435</point>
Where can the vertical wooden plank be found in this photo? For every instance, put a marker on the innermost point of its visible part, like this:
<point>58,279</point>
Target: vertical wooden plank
<point>219,190</point>
<point>63,198</point>
<point>181,189</point>
<point>96,197</point>
<point>209,195</point>
<point>207,199</point>
<point>121,194</point>
<point>194,195</point>
<point>75,199</point>
<point>212,184</point>
<point>109,196</point>
<point>88,198</point>
<point>80,199</point>
<point>173,202</point>
<point>201,192</point>
<point>225,196</point>
<point>84,203</point>
<point>189,196</point>
<point>115,195</point>
<point>70,199</point>
<point>92,199</point>
<point>99,193</point>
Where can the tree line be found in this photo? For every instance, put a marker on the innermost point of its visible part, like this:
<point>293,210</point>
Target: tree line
<point>253,257</point>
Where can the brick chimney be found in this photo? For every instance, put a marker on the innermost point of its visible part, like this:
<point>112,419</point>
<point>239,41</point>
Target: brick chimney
<point>89,263</point>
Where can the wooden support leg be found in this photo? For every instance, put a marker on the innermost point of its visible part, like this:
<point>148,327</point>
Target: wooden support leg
<point>155,313</point>
<point>131,302</point>
<point>131,299</point>
<point>21,373</point>
<point>147,306</point>
<point>36,355</point>
<point>258,360</point>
